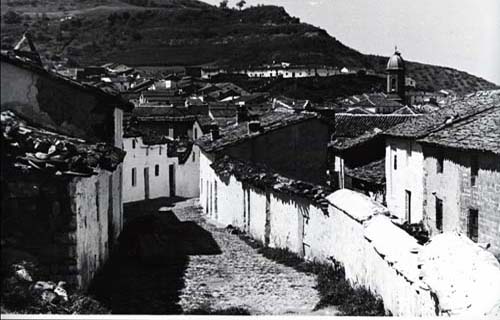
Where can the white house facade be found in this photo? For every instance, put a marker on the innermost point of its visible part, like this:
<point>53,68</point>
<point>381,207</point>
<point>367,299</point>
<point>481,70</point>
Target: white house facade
<point>404,167</point>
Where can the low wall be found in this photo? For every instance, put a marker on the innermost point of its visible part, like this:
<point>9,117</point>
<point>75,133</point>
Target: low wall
<point>357,232</point>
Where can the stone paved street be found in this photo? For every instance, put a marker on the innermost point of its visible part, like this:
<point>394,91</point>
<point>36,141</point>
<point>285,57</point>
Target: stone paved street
<point>241,277</point>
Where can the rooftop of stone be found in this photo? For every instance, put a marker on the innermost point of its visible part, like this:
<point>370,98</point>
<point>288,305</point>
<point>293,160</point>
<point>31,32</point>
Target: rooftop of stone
<point>345,143</point>
<point>480,132</point>
<point>162,113</point>
<point>239,132</point>
<point>353,125</point>
<point>29,148</point>
<point>373,172</point>
<point>461,108</point>
<point>262,177</point>
<point>364,100</point>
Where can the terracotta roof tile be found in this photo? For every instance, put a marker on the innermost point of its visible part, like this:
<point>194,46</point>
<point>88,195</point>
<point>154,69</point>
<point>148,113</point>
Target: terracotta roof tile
<point>373,172</point>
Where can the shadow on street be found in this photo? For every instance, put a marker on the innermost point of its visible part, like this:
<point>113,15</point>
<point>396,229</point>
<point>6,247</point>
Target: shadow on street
<point>145,273</point>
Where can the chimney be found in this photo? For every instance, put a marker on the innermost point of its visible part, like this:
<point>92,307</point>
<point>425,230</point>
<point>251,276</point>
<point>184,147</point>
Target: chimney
<point>242,115</point>
<point>214,132</point>
<point>254,126</point>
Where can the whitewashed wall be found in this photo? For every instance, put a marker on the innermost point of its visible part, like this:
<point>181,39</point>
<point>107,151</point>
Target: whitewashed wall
<point>187,176</point>
<point>140,157</point>
<point>409,175</point>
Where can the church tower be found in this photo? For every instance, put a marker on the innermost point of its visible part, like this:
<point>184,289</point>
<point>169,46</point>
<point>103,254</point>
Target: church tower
<point>396,77</point>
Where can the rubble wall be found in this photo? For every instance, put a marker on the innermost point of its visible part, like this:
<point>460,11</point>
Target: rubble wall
<point>454,187</point>
<point>37,218</point>
<point>90,203</point>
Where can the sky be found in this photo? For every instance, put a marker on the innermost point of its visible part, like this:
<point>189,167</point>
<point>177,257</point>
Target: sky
<point>462,34</point>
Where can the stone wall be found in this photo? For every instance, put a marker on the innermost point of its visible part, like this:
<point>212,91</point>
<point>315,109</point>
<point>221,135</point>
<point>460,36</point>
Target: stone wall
<point>356,231</point>
<point>63,222</point>
<point>187,175</point>
<point>453,186</point>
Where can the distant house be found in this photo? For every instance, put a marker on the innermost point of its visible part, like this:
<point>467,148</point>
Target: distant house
<point>371,102</point>
<point>357,152</point>
<point>268,141</point>
<point>161,160</point>
<point>63,141</point>
<point>156,167</point>
<point>405,162</point>
<point>462,177</point>
<point>170,97</point>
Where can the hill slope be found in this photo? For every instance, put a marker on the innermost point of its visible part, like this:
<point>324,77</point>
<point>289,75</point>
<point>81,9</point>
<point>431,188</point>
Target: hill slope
<point>189,32</point>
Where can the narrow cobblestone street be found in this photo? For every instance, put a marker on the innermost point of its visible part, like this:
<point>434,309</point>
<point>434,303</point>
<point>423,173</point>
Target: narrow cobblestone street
<point>241,277</point>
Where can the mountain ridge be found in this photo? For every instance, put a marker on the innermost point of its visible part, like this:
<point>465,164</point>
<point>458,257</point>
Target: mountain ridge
<point>190,32</point>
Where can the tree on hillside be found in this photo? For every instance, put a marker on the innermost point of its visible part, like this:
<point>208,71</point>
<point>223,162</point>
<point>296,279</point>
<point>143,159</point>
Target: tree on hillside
<point>12,17</point>
<point>241,4</point>
<point>223,4</point>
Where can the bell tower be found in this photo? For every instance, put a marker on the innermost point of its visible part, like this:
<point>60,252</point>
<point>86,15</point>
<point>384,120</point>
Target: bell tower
<point>396,77</point>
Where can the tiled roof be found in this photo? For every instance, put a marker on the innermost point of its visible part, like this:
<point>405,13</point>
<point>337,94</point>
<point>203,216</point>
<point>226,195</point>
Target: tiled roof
<point>239,132</point>
<point>262,177</point>
<point>373,172</point>
<point>358,110</point>
<point>369,100</point>
<point>344,143</point>
<point>462,107</point>
<point>162,114</point>
<point>224,112</point>
<point>28,148</point>
<point>353,125</point>
<point>27,64</point>
<point>480,132</point>
<point>405,110</point>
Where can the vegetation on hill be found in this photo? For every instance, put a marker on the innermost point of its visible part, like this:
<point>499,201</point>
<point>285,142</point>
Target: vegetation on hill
<point>190,32</point>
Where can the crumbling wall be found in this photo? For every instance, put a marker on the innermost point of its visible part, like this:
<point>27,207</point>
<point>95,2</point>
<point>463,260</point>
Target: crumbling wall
<point>56,104</point>
<point>360,234</point>
<point>90,204</point>
<point>37,219</point>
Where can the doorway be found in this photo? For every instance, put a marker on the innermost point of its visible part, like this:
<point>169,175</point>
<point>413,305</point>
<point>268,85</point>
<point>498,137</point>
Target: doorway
<point>171,179</point>
<point>146,183</point>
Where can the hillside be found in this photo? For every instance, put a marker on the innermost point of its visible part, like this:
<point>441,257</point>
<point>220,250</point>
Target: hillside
<point>189,32</point>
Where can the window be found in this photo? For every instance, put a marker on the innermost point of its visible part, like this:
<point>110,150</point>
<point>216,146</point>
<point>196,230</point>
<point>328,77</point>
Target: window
<point>159,150</point>
<point>134,177</point>
<point>194,156</point>
<point>473,224</point>
<point>408,205</point>
<point>395,162</point>
<point>439,162</point>
<point>157,170</point>
<point>439,214</point>
<point>133,143</point>
<point>474,168</point>
<point>195,133</point>
<point>393,84</point>
<point>147,151</point>
<point>215,200</point>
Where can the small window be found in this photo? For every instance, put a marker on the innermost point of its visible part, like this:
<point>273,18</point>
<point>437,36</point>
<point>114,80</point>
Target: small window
<point>159,150</point>
<point>439,214</point>
<point>395,162</point>
<point>157,170</point>
<point>133,143</point>
<point>439,163</point>
<point>393,84</point>
<point>134,177</point>
<point>194,156</point>
<point>473,224</point>
<point>195,133</point>
<point>408,205</point>
<point>147,151</point>
<point>474,169</point>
